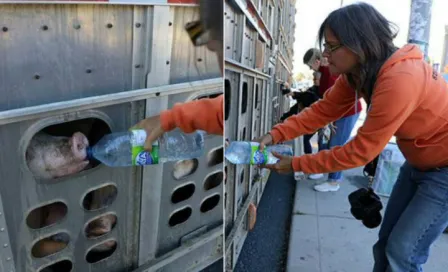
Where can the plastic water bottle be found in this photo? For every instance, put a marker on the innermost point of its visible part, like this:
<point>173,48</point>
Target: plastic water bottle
<point>127,148</point>
<point>240,152</point>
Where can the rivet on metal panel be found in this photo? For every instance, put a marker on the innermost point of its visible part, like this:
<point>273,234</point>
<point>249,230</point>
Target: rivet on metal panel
<point>232,21</point>
<point>137,25</point>
<point>199,59</point>
<point>5,245</point>
<point>36,76</point>
<point>170,23</point>
<point>228,47</point>
<point>8,258</point>
<point>2,229</point>
<point>77,26</point>
<point>88,71</point>
<point>44,28</point>
<point>109,25</point>
<point>167,62</point>
<point>137,66</point>
<point>5,29</point>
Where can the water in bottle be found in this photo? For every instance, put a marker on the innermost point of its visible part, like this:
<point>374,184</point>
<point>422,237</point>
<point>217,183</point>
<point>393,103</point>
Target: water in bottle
<point>240,152</point>
<point>126,148</point>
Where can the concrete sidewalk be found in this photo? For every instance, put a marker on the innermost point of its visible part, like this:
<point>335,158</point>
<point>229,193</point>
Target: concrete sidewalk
<point>324,237</point>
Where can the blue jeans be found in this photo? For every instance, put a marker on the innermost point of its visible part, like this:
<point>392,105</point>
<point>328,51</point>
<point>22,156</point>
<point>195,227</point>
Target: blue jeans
<point>344,127</point>
<point>416,215</point>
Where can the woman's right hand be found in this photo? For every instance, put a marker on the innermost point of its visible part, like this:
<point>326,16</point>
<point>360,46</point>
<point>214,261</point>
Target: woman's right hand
<point>264,140</point>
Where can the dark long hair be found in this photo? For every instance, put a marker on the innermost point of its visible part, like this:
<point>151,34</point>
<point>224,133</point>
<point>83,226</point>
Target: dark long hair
<point>363,30</point>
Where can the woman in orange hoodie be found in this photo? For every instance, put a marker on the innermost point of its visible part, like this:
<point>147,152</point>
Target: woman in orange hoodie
<point>407,99</point>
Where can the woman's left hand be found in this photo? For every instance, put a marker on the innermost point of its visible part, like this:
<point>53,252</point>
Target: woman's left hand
<point>283,166</point>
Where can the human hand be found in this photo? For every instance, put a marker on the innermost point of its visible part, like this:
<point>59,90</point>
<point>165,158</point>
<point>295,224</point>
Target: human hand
<point>264,140</point>
<point>283,166</point>
<point>153,129</point>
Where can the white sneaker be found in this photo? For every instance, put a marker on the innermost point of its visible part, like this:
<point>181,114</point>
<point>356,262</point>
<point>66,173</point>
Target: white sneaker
<point>299,176</point>
<point>327,187</point>
<point>315,176</point>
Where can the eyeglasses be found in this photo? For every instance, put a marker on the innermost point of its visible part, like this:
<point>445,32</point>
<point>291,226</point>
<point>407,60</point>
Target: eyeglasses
<point>331,48</point>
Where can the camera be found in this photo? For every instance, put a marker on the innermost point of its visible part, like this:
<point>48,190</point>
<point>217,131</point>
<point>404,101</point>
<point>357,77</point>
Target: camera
<point>366,206</point>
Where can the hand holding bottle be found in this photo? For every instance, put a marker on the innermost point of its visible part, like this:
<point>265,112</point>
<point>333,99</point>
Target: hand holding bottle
<point>283,166</point>
<point>153,129</point>
<point>264,140</point>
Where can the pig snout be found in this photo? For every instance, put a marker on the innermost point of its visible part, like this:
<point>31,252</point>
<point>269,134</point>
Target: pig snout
<point>101,226</point>
<point>79,143</point>
<point>183,169</point>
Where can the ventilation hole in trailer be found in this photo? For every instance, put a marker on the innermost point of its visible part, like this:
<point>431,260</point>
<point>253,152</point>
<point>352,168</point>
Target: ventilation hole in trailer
<point>215,157</point>
<point>47,215</point>
<point>60,266</point>
<point>208,96</point>
<point>210,203</point>
<point>242,177</point>
<point>101,251</point>
<point>100,226</point>
<point>243,136</point>
<point>180,216</point>
<point>256,96</point>
<point>213,181</point>
<point>60,150</point>
<point>185,168</point>
<point>50,245</point>
<point>100,198</point>
<point>244,99</point>
<point>183,193</point>
<point>225,174</point>
<point>225,201</point>
<point>227,98</point>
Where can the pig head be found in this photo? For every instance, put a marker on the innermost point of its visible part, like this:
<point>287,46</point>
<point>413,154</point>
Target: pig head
<point>54,156</point>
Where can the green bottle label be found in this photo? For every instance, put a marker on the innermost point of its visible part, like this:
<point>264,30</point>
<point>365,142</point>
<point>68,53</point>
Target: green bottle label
<point>139,155</point>
<point>257,157</point>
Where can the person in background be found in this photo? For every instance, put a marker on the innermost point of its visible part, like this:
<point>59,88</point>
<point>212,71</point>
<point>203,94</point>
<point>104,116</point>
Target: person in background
<point>190,116</point>
<point>342,127</point>
<point>406,99</point>
<point>304,100</point>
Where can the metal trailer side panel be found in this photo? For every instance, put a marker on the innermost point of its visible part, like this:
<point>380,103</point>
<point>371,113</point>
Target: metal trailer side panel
<point>72,47</point>
<point>29,194</point>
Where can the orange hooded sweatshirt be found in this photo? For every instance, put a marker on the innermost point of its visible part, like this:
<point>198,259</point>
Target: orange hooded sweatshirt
<point>409,101</point>
<point>203,114</point>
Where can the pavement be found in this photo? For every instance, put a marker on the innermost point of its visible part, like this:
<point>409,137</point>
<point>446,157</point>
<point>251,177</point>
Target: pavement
<point>266,246</point>
<point>324,237</point>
